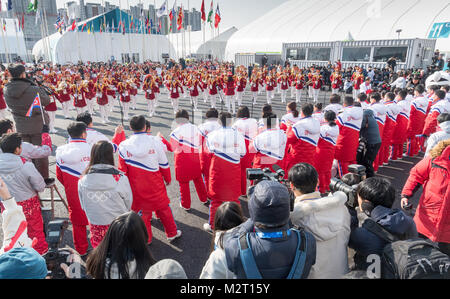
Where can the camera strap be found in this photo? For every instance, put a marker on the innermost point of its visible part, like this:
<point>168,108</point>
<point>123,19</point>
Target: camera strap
<point>379,230</point>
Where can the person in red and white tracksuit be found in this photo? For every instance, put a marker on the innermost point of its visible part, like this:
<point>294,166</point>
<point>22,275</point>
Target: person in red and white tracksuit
<point>211,124</point>
<point>302,139</point>
<point>349,122</point>
<point>325,151</point>
<point>379,112</point>
<point>269,146</point>
<point>144,162</point>
<point>71,161</point>
<point>440,105</point>
<point>392,111</point>
<point>24,183</point>
<point>174,87</point>
<point>185,142</point>
<point>399,136</point>
<point>292,116</point>
<point>226,148</point>
<point>416,121</point>
<point>248,127</point>
<point>335,104</point>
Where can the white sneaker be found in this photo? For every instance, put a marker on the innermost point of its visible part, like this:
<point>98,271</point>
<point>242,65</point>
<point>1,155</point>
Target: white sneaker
<point>181,206</point>
<point>176,236</point>
<point>207,227</point>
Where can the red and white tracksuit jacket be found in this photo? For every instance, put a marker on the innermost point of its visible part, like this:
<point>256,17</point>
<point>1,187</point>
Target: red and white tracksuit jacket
<point>399,137</point>
<point>226,148</point>
<point>71,161</point>
<point>94,136</point>
<point>336,108</point>
<point>206,128</point>
<point>392,111</point>
<point>288,120</point>
<point>439,107</point>
<point>325,150</point>
<point>349,123</point>
<point>143,160</point>
<point>270,148</point>
<point>379,111</point>
<point>186,144</point>
<point>248,127</point>
<point>302,139</point>
<point>416,124</point>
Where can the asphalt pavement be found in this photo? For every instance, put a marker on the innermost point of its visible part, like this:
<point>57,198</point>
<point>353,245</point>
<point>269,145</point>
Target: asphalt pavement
<point>192,249</point>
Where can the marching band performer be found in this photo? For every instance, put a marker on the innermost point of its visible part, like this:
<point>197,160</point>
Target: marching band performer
<point>357,79</point>
<point>270,86</point>
<point>123,89</point>
<point>78,92</point>
<point>174,87</point>
<point>241,83</point>
<point>299,85</point>
<point>229,87</point>
<point>336,81</point>
<point>317,85</point>
<point>149,88</point>
<point>284,86</point>
<point>101,89</point>
<point>64,91</point>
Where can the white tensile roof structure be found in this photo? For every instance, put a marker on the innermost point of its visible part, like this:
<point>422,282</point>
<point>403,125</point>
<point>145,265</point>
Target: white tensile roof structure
<point>335,20</point>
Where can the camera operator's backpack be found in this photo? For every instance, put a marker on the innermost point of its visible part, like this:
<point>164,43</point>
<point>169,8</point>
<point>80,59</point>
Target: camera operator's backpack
<point>302,262</point>
<point>409,259</point>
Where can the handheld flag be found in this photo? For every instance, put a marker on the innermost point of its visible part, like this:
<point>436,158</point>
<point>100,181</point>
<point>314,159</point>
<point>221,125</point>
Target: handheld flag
<point>36,104</point>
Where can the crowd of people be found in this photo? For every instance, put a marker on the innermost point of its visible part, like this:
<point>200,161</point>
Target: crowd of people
<point>370,126</point>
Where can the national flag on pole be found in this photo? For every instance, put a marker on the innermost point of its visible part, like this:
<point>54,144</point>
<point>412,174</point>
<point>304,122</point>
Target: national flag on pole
<point>120,26</point>
<point>36,104</point>
<point>9,4</point>
<point>84,26</point>
<point>211,12</point>
<point>162,11</point>
<point>180,18</point>
<point>4,25</point>
<point>203,11</point>
<point>218,18</point>
<point>23,21</point>
<point>33,6</point>
<point>74,25</point>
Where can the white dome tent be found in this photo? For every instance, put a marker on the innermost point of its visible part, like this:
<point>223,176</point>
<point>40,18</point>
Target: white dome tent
<point>299,21</point>
<point>75,46</point>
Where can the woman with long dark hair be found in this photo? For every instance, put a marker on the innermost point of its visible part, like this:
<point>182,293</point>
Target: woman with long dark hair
<point>228,216</point>
<point>292,116</point>
<point>104,191</point>
<point>123,253</point>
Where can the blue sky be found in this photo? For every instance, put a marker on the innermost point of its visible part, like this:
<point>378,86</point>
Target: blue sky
<point>233,12</point>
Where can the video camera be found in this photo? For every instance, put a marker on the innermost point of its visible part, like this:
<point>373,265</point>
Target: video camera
<point>338,185</point>
<point>55,255</point>
<point>258,175</point>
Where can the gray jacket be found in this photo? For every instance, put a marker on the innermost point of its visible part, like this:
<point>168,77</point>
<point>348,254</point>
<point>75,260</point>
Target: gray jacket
<point>19,96</point>
<point>104,193</point>
<point>23,179</point>
<point>369,128</point>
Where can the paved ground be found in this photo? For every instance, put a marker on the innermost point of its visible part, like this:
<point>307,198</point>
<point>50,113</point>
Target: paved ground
<point>193,248</point>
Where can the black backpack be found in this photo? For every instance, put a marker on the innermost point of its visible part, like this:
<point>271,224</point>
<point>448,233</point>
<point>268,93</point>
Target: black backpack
<point>409,259</point>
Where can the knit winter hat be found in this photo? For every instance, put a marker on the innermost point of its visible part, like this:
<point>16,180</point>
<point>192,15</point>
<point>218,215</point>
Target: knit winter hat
<point>269,204</point>
<point>22,263</point>
<point>166,269</point>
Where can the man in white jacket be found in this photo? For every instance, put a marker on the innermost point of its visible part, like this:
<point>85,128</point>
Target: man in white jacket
<point>326,218</point>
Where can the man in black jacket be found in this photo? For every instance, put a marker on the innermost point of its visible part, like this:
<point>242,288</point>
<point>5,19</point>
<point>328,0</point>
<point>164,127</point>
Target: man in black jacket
<point>19,96</point>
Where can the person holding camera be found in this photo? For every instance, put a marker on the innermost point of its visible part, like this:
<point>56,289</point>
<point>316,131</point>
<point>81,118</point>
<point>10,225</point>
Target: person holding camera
<point>25,183</point>
<point>264,247</point>
<point>20,94</point>
<point>327,219</point>
<point>374,212</point>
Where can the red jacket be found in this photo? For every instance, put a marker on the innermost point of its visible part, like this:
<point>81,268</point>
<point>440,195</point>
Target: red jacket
<point>433,213</point>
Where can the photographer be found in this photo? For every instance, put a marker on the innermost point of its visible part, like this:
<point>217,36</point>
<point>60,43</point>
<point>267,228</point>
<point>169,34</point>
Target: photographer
<point>264,246</point>
<point>375,199</point>
<point>20,93</point>
<point>326,218</point>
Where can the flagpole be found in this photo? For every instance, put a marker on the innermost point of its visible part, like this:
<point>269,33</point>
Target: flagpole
<point>17,38</point>
<point>47,37</point>
<point>4,45</point>
<point>189,28</point>
<point>129,30</point>
<point>142,31</point>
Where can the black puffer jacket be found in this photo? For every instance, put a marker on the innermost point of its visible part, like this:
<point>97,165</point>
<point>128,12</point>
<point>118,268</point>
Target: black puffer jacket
<point>19,95</point>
